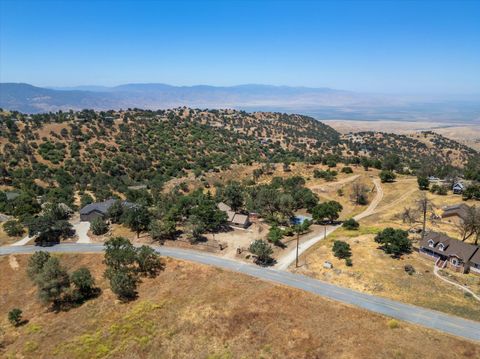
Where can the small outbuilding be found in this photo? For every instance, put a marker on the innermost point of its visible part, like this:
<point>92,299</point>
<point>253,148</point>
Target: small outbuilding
<point>234,219</point>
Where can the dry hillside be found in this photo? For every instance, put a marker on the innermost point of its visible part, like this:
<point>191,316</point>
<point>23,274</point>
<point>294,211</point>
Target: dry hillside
<point>193,311</point>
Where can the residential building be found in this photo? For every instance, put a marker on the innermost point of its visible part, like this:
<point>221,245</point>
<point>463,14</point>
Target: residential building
<point>449,252</point>
<point>100,209</point>
<point>234,219</point>
<point>456,214</point>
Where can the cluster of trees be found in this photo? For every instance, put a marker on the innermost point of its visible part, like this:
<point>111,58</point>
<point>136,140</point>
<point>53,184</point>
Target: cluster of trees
<point>438,189</point>
<point>54,284</point>
<point>51,225</point>
<point>151,147</point>
<point>472,192</point>
<point>327,175</point>
<point>13,228</point>
<point>387,176</point>
<point>276,202</point>
<point>23,206</point>
<point>127,264</point>
<point>276,234</point>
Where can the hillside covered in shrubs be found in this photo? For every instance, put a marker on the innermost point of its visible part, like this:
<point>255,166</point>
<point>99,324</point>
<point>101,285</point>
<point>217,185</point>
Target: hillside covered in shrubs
<point>56,154</point>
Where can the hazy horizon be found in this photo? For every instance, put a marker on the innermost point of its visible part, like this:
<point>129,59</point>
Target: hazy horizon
<point>394,47</point>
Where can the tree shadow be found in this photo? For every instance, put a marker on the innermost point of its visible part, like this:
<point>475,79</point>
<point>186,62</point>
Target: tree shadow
<point>74,300</point>
<point>269,262</point>
<point>22,323</point>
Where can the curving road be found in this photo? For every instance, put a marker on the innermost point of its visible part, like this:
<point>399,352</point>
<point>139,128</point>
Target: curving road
<point>428,318</point>
<point>287,259</point>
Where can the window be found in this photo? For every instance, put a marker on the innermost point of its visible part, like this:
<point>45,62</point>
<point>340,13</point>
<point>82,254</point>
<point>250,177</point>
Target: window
<point>455,262</point>
<point>430,243</point>
<point>441,247</point>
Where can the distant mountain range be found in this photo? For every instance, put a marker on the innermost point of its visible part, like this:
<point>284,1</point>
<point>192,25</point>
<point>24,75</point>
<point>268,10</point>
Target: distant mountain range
<point>318,102</point>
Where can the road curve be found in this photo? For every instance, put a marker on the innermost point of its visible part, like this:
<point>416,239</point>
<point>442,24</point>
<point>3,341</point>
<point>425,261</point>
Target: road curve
<point>287,259</point>
<point>456,326</point>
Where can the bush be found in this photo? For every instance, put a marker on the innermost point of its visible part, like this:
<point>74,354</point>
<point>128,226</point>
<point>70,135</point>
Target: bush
<point>347,170</point>
<point>327,175</point>
<point>36,263</point>
<point>409,269</point>
<point>13,228</point>
<point>348,262</point>
<point>15,317</point>
<point>423,182</point>
<point>387,176</point>
<point>124,284</point>
<point>84,283</point>
<point>393,324</point>
<point>262,251</point>
<point>162,230</point>
<point>351,224</point>
<point>99,226</point>
<point>275,235</point>
<point>52,282</point>
<point>148,261</point>
<point>341,249</point>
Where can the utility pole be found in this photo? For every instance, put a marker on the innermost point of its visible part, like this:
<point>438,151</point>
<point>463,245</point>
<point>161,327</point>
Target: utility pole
<point>296,260</point>
<point>325,231</point>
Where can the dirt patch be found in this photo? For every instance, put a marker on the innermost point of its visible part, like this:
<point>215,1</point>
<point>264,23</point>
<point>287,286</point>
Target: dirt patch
<point>12,261</point>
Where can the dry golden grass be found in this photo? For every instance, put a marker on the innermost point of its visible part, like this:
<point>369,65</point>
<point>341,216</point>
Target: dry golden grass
<point>375,272</point>
<point>194,311</point>
<point>405,193</point>
<point>468,134</point>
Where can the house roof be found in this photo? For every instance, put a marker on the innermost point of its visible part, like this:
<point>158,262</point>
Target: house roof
<point>11,195</point>
<point>224,207</point>
<point>452,247</point>
<point>232,216</point>
<point>458,185</point>
<point>240,219</point>
<point>103,207</point>
<point>460,210</point>
<point>476,257</point>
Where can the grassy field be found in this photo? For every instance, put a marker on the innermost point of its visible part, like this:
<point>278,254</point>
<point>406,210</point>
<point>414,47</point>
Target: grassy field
<point>466,133</point>
<point>405,193</point>
<point>193,311</point>
<point>377,273</point>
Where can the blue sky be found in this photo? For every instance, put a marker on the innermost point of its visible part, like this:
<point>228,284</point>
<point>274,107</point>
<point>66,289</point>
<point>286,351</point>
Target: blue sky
<point>373,46</point>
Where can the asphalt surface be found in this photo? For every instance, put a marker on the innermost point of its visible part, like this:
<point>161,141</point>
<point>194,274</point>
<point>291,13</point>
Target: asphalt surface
<point>428,318</point>
<point>289,258</point>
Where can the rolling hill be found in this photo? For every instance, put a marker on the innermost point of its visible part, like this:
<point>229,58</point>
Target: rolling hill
<point>109,151</point>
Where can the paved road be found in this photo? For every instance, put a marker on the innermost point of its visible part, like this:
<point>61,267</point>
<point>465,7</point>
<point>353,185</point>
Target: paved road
<point>22,241</point>
<point>287,259</point>
<point>81,228</point>
<point>428,318</point>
